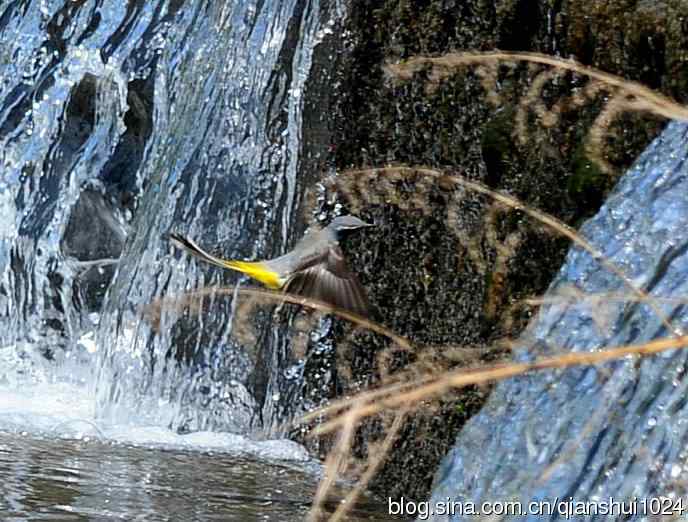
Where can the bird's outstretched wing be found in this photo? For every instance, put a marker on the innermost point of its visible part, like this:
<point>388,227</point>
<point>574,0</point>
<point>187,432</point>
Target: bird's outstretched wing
<point>329,279</point>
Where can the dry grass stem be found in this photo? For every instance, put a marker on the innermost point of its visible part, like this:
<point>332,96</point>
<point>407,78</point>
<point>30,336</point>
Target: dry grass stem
<point>621,95</point>
<point>534,102</point>
<point>338,406</point>
<point>546,219</point>
<point>595,142</point>
<point>642,97</point>
<point>461,378</point>
<point>336,459</point>
<point>153,310</point>
<point>405,391</point>
<point>372,466</point>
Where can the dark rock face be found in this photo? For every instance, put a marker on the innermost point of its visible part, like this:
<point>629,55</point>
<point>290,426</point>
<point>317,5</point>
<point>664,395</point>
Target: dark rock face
<point>119,173</point>
<point>92,232</point>
<point>616,430</point>
<point>442,280</point>
<point>97,224</point>
<point>94,236</point>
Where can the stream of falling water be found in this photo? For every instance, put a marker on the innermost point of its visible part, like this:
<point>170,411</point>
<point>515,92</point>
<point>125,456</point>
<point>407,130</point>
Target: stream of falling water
<point>121,122</point>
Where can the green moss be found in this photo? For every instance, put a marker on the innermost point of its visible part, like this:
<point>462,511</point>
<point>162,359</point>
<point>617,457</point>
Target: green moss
<point>496,145</point>
<point>588,183</point>
<point>454,126</point>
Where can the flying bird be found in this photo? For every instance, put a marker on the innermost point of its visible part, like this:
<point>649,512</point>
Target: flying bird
<point>315,268</point>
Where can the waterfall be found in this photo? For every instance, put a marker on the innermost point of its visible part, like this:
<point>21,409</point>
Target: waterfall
<point>122,122</point>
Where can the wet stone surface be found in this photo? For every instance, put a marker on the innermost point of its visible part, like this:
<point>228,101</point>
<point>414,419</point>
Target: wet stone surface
<point>450,278</point>
<point>615,430</point>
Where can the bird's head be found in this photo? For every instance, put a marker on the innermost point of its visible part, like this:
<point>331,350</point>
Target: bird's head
<point>345,223</point>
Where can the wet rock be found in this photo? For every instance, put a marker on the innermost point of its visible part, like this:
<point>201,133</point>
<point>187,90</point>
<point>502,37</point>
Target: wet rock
<point>94,238</point>
<point>93,231</point>
<point>455,285</point>
<point>119,173</point>
<point>593,432</point>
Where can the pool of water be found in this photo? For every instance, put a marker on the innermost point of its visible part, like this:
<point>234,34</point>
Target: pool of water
<point>89,479</point>
<point>59,460</point>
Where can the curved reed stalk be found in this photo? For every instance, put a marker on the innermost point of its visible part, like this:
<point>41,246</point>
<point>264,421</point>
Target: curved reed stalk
<point>389,399</point>
<point>373,464</point>
<point>645,98</point>
<point>185,300</point>
<point>624,95</point>
<point>546,219</point>
<point>336,459</point>
<point>403,398</point>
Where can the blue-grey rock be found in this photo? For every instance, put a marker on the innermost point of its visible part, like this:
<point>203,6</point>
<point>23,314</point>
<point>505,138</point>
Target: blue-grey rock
<point>589,433</point>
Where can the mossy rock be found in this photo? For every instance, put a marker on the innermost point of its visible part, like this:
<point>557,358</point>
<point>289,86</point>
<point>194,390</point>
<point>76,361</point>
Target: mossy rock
<point>455,126</point>
<point>587,182</point>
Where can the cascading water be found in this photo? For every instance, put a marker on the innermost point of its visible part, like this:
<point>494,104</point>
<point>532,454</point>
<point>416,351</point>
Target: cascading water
<point>122,122</point>
<point>591,434</point>
<point>223,167</point>
<point>119,123</point>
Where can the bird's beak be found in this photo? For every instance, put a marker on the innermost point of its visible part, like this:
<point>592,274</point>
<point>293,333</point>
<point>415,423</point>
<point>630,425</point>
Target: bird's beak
<point>368,225</point>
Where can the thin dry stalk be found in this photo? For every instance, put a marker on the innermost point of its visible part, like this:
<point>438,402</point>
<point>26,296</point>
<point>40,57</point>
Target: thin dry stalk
<point>462,353</point>
<point>403,397</point>
<point>533,101</point>
<point>646,99</point>
<point>372,467</point>
<point>595,142</point>
<point>334,462</point>
<point>505,252</point>
<point>462,378</point>
<point>623,95</point>
<point>180,302</point>
<point>336,407</point>
<point>546,219</point>
<point>488,75</point>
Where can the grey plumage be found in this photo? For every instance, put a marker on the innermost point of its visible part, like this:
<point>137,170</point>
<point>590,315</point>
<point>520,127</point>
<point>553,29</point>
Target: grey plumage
<point>315,268</point>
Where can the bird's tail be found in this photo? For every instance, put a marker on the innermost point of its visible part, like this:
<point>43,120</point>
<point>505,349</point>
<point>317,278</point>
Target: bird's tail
<point>256,270</point>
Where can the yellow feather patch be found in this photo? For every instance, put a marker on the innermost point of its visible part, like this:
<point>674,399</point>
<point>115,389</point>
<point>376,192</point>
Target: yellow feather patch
<point>257,271</point>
